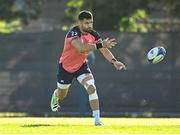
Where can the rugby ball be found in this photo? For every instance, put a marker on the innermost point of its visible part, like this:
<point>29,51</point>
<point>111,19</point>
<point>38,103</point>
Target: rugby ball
<point>156,54</point>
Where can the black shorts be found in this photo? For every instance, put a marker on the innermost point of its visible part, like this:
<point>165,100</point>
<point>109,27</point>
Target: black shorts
<point>65,77</point>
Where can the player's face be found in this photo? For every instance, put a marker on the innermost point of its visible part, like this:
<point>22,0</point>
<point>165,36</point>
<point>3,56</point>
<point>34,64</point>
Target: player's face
<point>86,25</point>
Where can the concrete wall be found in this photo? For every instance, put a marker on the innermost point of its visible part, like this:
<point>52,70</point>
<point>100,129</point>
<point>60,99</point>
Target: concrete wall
<point>28,66</point>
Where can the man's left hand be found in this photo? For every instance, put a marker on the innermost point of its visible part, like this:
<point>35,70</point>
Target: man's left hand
<point>119,65</point>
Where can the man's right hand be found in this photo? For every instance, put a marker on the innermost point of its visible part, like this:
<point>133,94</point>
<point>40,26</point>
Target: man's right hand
<point>109,43</point>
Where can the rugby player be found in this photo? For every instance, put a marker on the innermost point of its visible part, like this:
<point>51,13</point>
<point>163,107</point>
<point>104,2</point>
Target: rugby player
<point>79,42</point>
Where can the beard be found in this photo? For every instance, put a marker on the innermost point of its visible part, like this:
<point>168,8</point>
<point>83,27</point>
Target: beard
<point>88,29</point>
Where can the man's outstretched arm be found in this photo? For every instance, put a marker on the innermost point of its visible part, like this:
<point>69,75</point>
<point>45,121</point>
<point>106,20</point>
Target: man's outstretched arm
<point>110,57</point>
<point>82,47</point>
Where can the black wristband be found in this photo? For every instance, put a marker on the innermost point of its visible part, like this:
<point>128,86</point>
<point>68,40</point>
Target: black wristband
<point>99,45</point>
<point>113,59</point>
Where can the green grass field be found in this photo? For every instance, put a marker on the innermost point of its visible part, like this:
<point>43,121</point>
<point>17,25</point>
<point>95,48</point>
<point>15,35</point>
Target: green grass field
<point>32,125</point>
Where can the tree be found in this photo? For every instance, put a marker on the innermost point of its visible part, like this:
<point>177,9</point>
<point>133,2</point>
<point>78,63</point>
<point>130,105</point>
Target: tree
<point>122,15</point>
<point>14,13</point>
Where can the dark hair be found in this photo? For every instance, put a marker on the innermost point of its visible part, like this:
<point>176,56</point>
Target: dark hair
<point>85,15</point>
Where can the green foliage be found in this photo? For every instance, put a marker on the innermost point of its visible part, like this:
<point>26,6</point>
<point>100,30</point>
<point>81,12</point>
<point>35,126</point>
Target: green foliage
<point>11,9</point>
<point>74,8</point>
<point>111,14</point>
<point>122,15</point>
<point>133,23</point>
<point>10,26</point>
<point>117,15</point>
<point>14,13</point>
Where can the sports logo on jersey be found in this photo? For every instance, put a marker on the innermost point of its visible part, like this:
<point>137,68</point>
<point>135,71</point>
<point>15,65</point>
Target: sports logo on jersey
<point>62,81</point>
<point>73,33</point>
<point>88,69</point>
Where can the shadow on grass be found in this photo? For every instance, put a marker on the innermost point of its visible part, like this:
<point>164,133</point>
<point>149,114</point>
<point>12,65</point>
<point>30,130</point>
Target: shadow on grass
<point>36,125</point>
<point>48,125</point>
